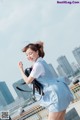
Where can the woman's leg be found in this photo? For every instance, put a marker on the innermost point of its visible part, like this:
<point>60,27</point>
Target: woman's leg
<point>57,115</point>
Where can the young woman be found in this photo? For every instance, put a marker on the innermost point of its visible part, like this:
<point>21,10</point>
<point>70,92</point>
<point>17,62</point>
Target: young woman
<point>57,95</point>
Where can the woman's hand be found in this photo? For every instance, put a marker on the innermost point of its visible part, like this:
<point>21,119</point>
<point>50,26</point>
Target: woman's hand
<point>28,79</point>
<point>20,65</point>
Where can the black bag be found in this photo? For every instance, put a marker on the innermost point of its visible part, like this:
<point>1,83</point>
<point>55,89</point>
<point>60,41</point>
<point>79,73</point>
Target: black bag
<point>37,86</point>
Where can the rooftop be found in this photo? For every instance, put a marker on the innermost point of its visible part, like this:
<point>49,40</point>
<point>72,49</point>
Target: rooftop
<point>32,110</point>
<point>35,111</point>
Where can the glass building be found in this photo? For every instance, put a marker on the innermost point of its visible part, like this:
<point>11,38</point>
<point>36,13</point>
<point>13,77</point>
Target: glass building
<point>53,71</point>
<point>5,94</point>
<point>65,65</point>
<point>2,101</point>
<point>61,71</point>
<point>76,53</point>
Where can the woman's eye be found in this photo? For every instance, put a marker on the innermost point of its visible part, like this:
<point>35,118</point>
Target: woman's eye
<point>29,54</point>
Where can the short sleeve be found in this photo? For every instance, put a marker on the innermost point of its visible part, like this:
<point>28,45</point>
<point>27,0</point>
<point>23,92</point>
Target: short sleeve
<point>37,71</point>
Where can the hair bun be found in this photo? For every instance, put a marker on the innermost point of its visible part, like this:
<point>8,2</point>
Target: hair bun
<point>40,43</point>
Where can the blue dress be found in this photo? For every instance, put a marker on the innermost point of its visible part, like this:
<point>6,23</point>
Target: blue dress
<point>57,95</point>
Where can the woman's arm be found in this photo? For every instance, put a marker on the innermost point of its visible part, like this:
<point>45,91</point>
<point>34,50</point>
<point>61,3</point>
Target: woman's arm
<point>25,78</point>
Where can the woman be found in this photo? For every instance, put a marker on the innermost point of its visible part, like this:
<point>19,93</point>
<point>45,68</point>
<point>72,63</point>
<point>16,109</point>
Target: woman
<point>57,95</point>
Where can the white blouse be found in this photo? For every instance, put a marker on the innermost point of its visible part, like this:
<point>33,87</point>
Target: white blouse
<point>38,70</point>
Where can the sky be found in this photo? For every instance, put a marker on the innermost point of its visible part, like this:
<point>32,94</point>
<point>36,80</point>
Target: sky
<point>25,21</point>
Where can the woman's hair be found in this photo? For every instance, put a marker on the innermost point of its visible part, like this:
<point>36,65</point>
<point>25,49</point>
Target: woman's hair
<point>38,46</point>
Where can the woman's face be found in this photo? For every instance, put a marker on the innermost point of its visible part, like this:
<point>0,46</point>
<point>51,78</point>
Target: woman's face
<point>32,55</point>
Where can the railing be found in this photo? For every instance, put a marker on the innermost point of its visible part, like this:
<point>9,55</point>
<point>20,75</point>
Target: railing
<point>29,113</point>
<point>75,89</point>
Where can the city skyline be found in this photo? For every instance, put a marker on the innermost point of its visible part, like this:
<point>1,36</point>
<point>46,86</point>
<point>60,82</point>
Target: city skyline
<point>22,22</point>
<point>15,95</point>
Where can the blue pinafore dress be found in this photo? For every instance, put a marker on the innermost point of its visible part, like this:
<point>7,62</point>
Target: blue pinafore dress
<point>57,95</point>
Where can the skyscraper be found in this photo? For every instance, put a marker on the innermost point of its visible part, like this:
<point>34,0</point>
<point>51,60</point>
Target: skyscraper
<point>2,101</point>
<point>75,66</point>
<point>24,95</point>
<point>61,71</point>
<point>76,53</point>
<point>65,65</point>
<point>53,71</point>
<point>6,94</point>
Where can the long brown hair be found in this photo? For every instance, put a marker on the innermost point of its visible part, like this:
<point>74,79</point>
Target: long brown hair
<point>38,46</point>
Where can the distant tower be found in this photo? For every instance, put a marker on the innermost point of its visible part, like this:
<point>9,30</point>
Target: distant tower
<point>24,95</point>
<point>76,53</point>
<point>63,62</point>
<point>53,70</point>
<point>75,66</point>
<point>6,94</point>
<point>2,101</point>
<point>61,71</point>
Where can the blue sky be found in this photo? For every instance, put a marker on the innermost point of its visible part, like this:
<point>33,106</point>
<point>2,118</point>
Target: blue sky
<point>24,21</point>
